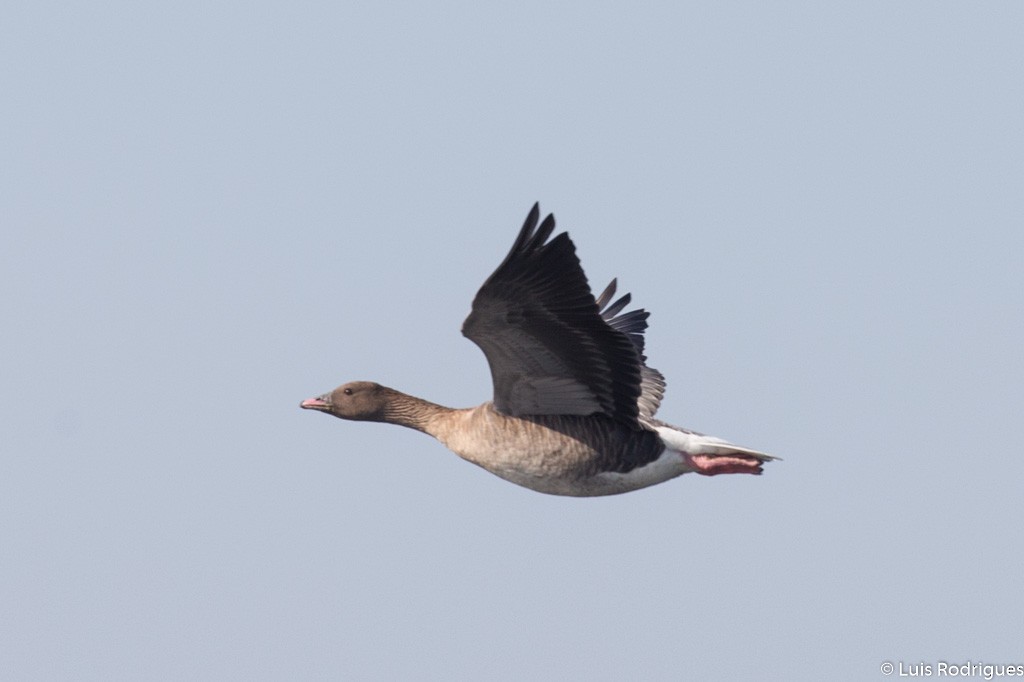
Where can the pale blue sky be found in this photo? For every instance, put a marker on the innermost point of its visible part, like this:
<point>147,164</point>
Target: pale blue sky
<point>213,211</point>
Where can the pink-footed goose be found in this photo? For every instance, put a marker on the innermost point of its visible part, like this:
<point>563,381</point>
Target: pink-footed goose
<point>574,403</point>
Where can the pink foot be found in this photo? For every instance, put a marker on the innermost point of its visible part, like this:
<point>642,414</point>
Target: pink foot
<point>712,466</point>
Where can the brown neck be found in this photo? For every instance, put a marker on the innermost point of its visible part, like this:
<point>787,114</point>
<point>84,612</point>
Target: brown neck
<point>416,413</point>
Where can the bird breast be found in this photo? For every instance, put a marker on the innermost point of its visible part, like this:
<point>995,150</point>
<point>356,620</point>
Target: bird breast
<point>554,454</point>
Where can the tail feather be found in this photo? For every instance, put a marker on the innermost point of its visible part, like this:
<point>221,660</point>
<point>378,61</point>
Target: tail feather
<point>724,448</point>
<point>698,444</point>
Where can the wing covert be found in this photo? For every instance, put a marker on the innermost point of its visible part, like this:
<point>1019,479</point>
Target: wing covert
<point>548,346</point>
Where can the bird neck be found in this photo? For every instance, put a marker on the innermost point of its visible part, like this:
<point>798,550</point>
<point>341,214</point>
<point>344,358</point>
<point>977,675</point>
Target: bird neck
<point>413,412</point>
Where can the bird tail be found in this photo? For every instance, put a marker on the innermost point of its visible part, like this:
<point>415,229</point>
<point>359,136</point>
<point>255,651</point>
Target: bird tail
<point>698,444</point>
<point>709,455</point>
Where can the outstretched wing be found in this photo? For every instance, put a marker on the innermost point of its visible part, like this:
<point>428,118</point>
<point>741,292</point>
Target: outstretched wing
<point>549,348</point>
<point>633,324</point>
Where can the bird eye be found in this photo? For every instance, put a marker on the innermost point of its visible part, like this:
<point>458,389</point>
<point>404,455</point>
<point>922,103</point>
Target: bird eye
<point>348,391</point>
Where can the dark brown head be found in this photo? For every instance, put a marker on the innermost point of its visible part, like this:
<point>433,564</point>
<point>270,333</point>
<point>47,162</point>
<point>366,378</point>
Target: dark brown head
<point>357,400</point>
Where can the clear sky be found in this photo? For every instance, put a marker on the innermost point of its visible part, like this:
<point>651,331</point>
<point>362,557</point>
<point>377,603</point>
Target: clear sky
<point>211,211</point>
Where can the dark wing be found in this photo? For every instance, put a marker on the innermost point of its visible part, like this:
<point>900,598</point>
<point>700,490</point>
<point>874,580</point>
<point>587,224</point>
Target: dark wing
<point>633,324</point>
<point>548,346</point>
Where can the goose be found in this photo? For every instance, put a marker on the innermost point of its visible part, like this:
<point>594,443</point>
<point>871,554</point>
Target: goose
<point>574,402</point>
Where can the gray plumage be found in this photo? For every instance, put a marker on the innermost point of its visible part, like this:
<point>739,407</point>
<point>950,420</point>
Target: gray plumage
<point>574,401</point>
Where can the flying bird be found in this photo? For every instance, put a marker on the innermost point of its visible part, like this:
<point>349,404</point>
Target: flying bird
<point>574,402</point>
